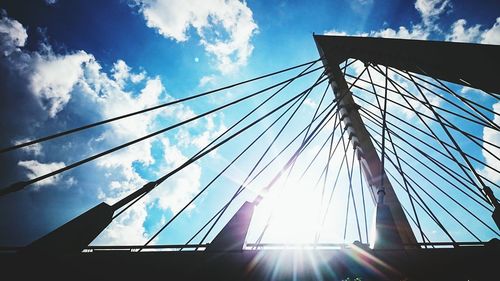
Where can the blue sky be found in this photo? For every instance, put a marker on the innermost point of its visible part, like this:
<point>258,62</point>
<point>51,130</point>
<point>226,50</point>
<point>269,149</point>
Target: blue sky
<point>68,63</point>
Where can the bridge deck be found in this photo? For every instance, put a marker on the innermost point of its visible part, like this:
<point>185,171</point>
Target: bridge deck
<point>462,263</point>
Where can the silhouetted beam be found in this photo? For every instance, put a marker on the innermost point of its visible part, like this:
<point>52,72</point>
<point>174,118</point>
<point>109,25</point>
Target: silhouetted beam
<point>496,204</point>
<point>232,236</point>
<point>75,235</point>
<point>467,64</point>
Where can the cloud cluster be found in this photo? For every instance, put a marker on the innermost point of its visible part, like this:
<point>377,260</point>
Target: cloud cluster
<point>225,28</point>
<point>54,76</point>
<point>58,89</point>
<point>415,32</point>
<point>121,73</point>
<point>34,149</point>
<point>492,136</point>
<point>474,34</point>
<point>36,169</point>
<point>12,34</point>
<point>430,10</point>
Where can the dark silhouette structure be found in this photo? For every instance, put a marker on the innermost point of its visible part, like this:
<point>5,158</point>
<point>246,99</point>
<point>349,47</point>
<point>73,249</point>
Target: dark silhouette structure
<point>397,252</point>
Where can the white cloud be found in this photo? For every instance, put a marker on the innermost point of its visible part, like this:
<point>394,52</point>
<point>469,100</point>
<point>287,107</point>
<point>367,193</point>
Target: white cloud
<point>50,2</point>
<point>224,27</point>
<point>206,80</point>
<point>136,78</point>
<point>415,32</point>
<point>474,34</point>
<point>116,102</point>
<point>492,136</point>
<point>36,169</point>
<point>34,149</point>
<point>127,229</point>
<point>199,140</point>
<point>109,97</point>
<point>462,34</point>
<point>121,74</point>
<point>12,34</point>
<point>335,32</point>
<point>182,186</point>
<point>54,80</point>
<point>54,77</point>
<point>71,181</point>
<point>430,10</point>
<point>179,112</point>
<point>309,102</point>
<point>207,136</point>
<point>492,35</point>
<point>392,94</point>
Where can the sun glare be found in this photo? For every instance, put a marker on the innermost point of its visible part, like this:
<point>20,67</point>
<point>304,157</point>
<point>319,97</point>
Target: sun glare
<point>292,215</point>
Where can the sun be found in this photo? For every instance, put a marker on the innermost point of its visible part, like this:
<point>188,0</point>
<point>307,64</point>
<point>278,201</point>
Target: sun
<point>292,215</point>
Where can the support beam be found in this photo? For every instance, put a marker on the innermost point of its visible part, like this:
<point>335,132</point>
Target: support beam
<point>232,236</point>
<point>466,64</point>
<point>75,235</point>
<point>496,205</point>
<point>365,151</point>
<point>78,233</point>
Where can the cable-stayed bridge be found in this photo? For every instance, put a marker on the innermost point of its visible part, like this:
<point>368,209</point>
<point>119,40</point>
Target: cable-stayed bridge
<point>389,176</point>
